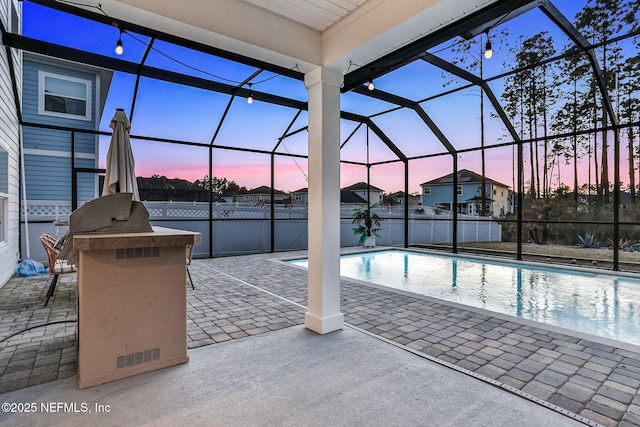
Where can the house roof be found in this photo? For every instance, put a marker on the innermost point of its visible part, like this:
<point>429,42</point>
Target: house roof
<point>465,176</point>
<point>400,194</point>
<point>164,183</point>
<point>479,199</point>
<point>348,196</point>
<point>361,186</point>
<point>263,189</point>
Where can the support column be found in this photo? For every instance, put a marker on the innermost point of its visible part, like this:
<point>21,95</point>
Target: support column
<point>324,313</point>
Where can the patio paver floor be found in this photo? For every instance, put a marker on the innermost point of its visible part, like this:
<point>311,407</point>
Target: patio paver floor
<point>598,381</point>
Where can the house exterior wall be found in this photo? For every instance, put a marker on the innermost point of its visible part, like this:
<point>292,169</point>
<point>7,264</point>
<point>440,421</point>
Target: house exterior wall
<point>501,205</point>
<point>300,198</point>
<point>47,152</point>
<point>10,14</point>
<point>442,194</point>
<point>259,197</point>
<point>437,194</point>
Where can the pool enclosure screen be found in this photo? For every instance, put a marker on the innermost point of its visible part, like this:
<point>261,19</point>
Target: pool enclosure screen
<point>514,128</point>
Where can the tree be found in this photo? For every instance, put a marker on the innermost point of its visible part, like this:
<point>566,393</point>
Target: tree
<point>219,185</point>
<point>629,106</point>
<point>572,115</point>
<point>599,21</point>
<point>469,54</point>
<point>528,95</point>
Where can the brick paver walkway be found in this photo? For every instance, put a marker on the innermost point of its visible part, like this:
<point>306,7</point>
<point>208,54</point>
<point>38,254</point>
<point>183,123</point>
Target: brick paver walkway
<point>237,297</point>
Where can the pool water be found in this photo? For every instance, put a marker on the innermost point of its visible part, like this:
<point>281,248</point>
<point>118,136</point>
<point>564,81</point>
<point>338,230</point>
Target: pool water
<point>598,304</point>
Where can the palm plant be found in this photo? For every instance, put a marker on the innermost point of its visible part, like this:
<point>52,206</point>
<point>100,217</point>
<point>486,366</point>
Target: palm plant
<point>368,222</point>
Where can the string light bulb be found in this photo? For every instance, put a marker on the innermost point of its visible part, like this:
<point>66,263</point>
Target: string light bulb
<point>250,98</point>
<point>119,49</point>
<point>488,51</point>
<point>371,86</point>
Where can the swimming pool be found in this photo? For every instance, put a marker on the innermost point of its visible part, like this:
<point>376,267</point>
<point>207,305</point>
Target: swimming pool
<point>598,304</point>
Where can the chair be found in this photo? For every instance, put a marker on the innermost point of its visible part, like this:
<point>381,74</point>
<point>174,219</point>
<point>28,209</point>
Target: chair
<point>189,256</point>
<point>56,266</point>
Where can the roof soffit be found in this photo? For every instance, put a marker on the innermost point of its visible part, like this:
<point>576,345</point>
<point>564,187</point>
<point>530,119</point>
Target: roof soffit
<point>368,32</point>
<point>227,24</point>
<point>382,26</point>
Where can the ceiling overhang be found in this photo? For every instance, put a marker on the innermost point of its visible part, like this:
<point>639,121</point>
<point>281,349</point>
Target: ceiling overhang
<point>368,32</point>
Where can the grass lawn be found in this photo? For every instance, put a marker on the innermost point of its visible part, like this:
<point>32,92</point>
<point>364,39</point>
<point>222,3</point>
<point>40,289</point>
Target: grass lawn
<point>600,254</point>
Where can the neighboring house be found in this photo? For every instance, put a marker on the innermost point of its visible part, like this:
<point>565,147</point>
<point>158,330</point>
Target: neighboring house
<point>300,197</point>
<point>63,94</point>
<point>364,191</point>
<point>161,188</point>
<point>261,195</point>
<point>355,194</point>
<point>438,193</point>
<point>10,14</point>
<point>397,198</point>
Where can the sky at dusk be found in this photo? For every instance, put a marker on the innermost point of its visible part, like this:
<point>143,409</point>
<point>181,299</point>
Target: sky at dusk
<point>167,110</point>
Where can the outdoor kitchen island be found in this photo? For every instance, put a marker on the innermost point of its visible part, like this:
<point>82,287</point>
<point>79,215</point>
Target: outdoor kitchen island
<point>132,308</point>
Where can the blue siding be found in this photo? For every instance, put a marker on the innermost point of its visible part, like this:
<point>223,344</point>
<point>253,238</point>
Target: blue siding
<point>87,182</point>
<point>58,140</point>
<point>30,96</point>
<point>49,176</point>
<point>444,194</point>
<point>47,139</point>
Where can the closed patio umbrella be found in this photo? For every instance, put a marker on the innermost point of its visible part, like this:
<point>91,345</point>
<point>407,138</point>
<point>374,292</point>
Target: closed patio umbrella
<point>120,176</point>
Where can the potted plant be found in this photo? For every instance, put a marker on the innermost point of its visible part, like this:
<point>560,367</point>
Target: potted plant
<point>368,224</point>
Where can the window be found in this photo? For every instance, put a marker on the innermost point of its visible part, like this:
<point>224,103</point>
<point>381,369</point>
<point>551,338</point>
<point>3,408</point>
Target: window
<point>297,197</point>
<point>426,191</point>
<point>63,96</point>
<point>459,190</point>
<point>4,192</point>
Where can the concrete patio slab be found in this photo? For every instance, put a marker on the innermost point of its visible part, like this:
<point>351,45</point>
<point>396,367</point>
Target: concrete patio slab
<point>287,377</point>
<point>597,379</point>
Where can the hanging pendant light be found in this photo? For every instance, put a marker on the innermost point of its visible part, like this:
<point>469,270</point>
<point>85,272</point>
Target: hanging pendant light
<point>250,98</point>
<point>119,49</point>
<point>488,51</point>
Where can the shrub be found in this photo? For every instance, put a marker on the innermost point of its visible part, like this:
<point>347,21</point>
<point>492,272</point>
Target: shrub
<point>589,240</point>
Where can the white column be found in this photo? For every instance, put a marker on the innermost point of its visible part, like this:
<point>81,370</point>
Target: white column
<point>324,201</point>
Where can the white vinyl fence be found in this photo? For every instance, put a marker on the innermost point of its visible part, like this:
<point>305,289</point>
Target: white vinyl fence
<point>241,229</point>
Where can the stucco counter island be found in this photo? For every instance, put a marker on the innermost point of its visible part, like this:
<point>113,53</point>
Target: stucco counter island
<point>132,308</point>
